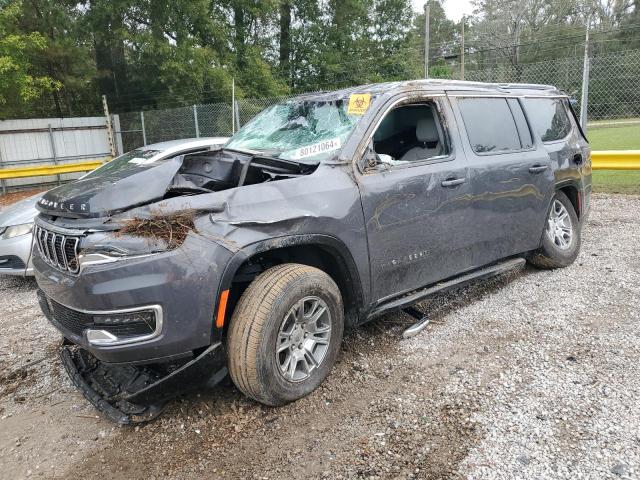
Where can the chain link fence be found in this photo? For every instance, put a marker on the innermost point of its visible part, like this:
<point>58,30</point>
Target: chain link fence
<point>614,93</point>
<point>614,81</point>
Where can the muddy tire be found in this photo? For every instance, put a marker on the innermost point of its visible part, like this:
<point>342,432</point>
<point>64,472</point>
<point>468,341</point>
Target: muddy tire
<point>561,237</point>
<point>285,334</point>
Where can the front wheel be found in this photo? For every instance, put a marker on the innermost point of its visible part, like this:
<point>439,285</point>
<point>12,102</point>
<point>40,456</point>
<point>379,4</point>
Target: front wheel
<point>561,237</point>
<point>285,334</point>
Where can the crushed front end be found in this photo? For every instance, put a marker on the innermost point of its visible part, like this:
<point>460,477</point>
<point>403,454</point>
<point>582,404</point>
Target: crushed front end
<point>137,313</point>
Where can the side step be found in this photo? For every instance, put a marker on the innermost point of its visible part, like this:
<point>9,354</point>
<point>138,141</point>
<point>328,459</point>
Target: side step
<point>455,282</point>
<point>416,328</point>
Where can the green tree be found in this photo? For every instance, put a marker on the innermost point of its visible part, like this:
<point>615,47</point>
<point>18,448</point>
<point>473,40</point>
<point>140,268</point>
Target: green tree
<point>20,87</point>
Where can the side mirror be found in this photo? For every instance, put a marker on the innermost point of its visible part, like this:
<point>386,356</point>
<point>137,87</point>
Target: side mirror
<point>370,158</point>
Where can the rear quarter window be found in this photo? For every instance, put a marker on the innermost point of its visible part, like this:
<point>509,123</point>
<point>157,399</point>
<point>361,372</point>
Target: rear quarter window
<point>490,125</point>
<point>548,117</point>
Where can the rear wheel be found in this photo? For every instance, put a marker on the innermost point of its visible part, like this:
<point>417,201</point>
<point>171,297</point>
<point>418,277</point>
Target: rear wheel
<point>561,237</point>
<point>285,333</point>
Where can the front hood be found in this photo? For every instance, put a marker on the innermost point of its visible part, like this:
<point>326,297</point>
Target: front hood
<point>105,194</point>
<point>20,212</point>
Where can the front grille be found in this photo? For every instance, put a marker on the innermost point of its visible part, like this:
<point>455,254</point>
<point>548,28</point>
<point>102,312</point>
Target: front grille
<point>77,322</point>
<point>59,251</point>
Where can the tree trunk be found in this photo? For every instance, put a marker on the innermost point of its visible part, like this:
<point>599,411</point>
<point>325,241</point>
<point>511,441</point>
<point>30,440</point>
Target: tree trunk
<point>285,39</point>
<point>241,36</point>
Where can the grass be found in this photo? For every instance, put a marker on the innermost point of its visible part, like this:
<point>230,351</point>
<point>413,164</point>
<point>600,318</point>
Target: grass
<point>616,181</point>
<point>623,137</point>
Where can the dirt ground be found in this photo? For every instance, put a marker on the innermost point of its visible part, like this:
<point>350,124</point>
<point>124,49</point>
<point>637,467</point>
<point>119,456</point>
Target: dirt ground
<point>534,374</point>
<point>12,197</point>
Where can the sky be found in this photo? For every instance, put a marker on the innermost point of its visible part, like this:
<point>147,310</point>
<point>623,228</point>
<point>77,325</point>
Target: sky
<point>454,9</point>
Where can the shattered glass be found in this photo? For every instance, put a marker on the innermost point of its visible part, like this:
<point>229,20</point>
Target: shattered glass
<point>307,131</point>
<point>129,160</point>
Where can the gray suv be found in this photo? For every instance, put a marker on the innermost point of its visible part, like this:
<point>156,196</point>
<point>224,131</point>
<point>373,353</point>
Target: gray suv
<point>322,213</point>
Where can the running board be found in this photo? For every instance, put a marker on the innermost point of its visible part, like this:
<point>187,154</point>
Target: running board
<point>459,281</point>
<point>416,328</point>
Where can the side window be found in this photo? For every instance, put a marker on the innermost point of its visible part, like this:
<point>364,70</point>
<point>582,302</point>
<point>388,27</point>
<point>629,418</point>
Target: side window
<point>490,124</point>
<point>410,133</point>
<point>521,123</point>
<point>548,118</point>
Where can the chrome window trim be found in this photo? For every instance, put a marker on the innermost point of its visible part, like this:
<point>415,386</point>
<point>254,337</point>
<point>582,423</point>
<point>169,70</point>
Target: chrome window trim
<point>503,95</point>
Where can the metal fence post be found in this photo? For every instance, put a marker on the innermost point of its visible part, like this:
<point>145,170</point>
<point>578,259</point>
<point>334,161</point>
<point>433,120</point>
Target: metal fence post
<point>233,106</point>
<point>117,130</point>
<point>3,182</point>
<point>112,147</point>
<point>144,131</point>
<point>195,121</point>
<point>53,149</point>
<point>584,100</point>
<point>236,110</point>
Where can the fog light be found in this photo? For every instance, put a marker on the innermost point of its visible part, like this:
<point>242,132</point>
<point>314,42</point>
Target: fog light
<point>145,317</point>
<point>119,327</point>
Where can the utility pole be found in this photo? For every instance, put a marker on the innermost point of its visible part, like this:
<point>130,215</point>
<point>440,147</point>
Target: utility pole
<point>426,40</point>
<point>233,105</point>
<point>462,52</point>
<point>584,100</point>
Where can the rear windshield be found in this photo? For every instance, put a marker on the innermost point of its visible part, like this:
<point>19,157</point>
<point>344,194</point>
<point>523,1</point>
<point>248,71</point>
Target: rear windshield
<point>306,131</point>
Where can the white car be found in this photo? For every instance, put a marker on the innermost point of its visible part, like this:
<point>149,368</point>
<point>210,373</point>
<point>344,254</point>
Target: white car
<point>16,221</point>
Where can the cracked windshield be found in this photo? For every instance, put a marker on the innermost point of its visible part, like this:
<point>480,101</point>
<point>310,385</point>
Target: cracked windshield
<point>306,131</point>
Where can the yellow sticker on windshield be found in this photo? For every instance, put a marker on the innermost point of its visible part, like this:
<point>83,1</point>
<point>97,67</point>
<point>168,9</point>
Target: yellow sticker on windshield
<point>359,103</point>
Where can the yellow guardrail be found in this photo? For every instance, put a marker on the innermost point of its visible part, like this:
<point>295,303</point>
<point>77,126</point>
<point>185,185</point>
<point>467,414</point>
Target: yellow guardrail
<point>44,170</point>
<point>615,160</point>
<point>600,160</point>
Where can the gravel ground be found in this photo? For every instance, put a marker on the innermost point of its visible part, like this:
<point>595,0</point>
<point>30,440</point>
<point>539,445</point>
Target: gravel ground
<point>533,374</point>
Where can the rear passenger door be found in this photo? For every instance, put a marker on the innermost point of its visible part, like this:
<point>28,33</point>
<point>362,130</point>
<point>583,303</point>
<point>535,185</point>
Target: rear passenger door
<point>510,174</point>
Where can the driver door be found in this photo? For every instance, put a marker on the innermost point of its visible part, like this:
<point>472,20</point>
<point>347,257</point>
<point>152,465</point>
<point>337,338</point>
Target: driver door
<point>417,214</point>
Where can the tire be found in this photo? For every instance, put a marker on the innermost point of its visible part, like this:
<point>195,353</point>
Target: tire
<point>552,253</point>
<point>263,322</point>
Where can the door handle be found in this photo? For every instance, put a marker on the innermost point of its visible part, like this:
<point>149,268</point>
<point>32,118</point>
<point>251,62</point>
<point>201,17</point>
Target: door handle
<point>453,182</point>
<point>538,168</point>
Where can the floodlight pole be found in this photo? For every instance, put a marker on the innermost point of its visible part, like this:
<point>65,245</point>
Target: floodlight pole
<point>426,40</point>
<point>584,100</point>
<point>462,52</point>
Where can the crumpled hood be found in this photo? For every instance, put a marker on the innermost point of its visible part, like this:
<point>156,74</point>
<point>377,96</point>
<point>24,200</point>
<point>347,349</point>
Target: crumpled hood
<point>102,195</point>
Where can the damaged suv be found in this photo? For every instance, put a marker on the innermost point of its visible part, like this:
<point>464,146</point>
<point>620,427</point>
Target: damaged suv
<point>323,212</point>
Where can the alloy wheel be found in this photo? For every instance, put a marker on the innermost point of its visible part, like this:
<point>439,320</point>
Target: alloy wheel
<point>303,338</point>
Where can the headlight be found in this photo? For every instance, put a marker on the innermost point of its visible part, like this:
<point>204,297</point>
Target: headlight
<point>16,231</point>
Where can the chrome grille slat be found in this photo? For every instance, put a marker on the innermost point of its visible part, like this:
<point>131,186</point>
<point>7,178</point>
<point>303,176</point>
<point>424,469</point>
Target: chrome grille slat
<point>51,245</point>
<point>58,250</point>
<point>65,264</point>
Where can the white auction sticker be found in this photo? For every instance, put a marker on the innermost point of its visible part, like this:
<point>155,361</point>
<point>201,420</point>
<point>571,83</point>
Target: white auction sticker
<point>315,149</point>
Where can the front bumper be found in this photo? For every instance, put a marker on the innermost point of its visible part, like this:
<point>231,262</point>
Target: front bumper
<point>15,256</point>
<point>182,282</point>
<point>128,394</point>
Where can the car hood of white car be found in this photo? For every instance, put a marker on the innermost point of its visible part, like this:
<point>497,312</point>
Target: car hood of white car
<point>20,212</point>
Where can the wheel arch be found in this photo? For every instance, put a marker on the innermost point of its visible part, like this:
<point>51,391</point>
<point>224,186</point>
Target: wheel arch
<point>325,252</point>
<point>572,191</point>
